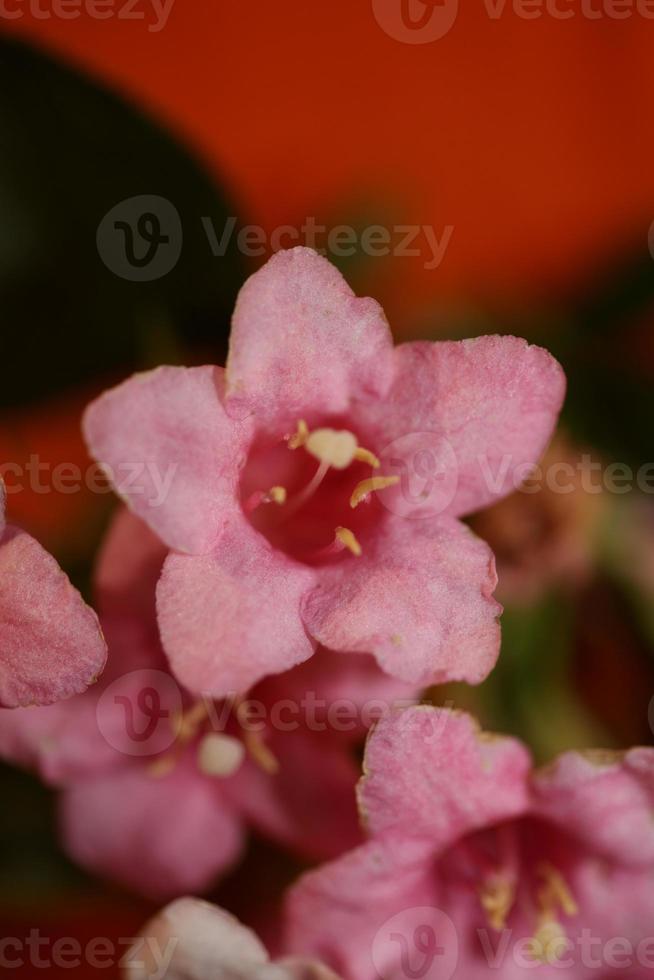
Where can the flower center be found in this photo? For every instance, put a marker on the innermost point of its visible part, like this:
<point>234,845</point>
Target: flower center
<point>515,871</point>
<point>312,493</point>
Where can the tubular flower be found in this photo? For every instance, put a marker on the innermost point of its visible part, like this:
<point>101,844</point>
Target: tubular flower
<point>159,787</point>
<point>311,491</point>
<point>525,873</point>
<point>51,645</point>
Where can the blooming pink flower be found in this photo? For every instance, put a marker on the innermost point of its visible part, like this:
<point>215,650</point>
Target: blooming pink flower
<point>51,646</point>
<point>311,491</point>
<point>165,811</point>
<point>518,868</point>
<point>193,940</point>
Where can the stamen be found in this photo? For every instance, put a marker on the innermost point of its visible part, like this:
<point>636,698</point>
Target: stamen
<point>556,891</point>
<point>187,724</point>
<point>300,437</point>
<point>301,498</point>
<point>497,897</point>
<point>549,942</point>
<point>346,537</point>
<point>276,495</point>
<point>220,755</point>
<point>163,766</point>
<point>260,752</point>
<point>337,448</point>
<point>365,456</point>
<point>366,487</point>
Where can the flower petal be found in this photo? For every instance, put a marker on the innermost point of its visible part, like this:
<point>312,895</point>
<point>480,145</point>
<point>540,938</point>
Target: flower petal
<point>479,410</point>
<point>431,773</point>
<point>171,451</point>
<point>302,343</point>
<point>605,799</point>
<point>419,599</point>
<point>229,619</point>
<point>51,645</point>
<point>335,912</point>
<point>201,940</point>
<point>160,836</point>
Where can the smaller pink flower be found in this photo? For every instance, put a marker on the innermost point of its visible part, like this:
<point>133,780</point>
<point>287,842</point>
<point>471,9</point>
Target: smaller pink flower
<point>525,865</point>
<point>311,492</point>
<point>166,810</point>
<point>51,645</point>
<point>193,940</point>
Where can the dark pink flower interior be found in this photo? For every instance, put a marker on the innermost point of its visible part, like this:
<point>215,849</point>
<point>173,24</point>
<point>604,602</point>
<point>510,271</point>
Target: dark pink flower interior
<point>304,525</point>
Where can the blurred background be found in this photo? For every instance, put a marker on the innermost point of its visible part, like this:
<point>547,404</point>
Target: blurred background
<point>479,170</point>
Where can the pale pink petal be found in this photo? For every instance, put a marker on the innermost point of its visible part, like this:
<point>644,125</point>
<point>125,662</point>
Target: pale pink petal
<point>309,804</point>
<point>419,599</point>
<point>606,799</point>
<point>336,912</point>
<point>199,941</point>
<point>158,835</point>
<point>431,773</point>
<point>302,344</point>
<point>463,420</point>
<point>230,618</point>
<point>171,452</point>
<point>51,645</point>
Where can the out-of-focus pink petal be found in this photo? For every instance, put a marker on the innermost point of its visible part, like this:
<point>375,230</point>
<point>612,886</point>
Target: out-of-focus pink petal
<point>127,572</point>
<point>335,912</point>
<point>484,408</point>
<point>160,836</point>
<point>51,645</point>
<point>171,451</point>
<point>309,804</point>
<point>230,618</point>
<point>419,599</point>
<point>339,693</point>
<point>302,344</point>
<point>199,941</point>
<point>605,799</point>
<point>431,773</point>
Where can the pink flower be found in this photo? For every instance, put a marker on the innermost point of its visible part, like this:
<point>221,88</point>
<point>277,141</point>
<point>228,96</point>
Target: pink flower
<point>166,810</point>
<point>518,868</point>
<point>312,491</point>
<point>193,940</point>
<point>51,646</point>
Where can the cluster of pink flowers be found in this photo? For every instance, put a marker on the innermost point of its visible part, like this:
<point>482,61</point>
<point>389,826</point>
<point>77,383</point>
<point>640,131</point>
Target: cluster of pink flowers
<point>310,541</point>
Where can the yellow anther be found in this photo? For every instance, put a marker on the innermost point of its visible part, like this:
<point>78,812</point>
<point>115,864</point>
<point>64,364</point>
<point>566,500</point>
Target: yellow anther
<point>555,893</point>
<point>187,723</point>
<point>497,897</point>
<point>346,537</point>
<point>300,436</point>
<point>366,487</point>
<point>163,766</point>
<point>336,448</point>
<point>365,456</point>
<point>277,495</point>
